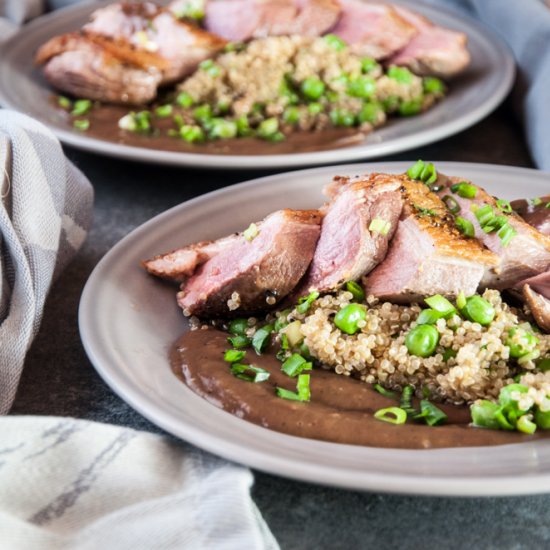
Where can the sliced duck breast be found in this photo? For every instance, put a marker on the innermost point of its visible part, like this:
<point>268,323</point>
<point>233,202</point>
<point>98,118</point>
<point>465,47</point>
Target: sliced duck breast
<point>428,254</point>
<point>77,65</point>
<point>524,253</point>
<point>180,264</point>
<point>373,30</point>
<point>539,306</point>
<point>539,283</point>
<point>433,50</point>
<point>257,271</point>
<point>356,228</point>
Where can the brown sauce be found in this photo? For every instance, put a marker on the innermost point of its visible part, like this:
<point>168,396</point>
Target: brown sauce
<point>104,125</point>
<point>341,408</point>
<point>537,215</point>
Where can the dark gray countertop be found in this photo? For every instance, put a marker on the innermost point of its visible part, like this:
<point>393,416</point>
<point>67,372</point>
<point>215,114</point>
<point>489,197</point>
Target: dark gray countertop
<point>59,380</point>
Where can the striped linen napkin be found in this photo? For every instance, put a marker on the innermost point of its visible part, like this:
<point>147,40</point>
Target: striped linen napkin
<point>79,485</point>
<point>45,212</point>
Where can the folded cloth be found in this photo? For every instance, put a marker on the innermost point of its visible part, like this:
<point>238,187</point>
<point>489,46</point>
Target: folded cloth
<point>45,211</point>
<point>79,485</point>
<point>525,27</point>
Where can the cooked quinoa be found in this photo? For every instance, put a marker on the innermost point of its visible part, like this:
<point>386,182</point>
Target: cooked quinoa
<point>471,361</point>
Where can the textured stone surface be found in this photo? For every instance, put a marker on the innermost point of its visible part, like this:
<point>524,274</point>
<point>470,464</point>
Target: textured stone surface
<point>59,380</point>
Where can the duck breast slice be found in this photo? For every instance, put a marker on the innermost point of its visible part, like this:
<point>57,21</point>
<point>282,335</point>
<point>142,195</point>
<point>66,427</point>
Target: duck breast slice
<point>428,254</point>
<point>539,306</point>
<point>257,271</point>
<point>356,228</point>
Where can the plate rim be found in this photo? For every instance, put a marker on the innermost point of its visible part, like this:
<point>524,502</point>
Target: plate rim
<point>289,160</point>
<point>439,485</point>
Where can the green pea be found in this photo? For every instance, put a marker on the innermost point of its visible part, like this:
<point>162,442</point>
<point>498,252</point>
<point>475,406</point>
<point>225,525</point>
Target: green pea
<point>335,42</point>
<point>81,107</point>
<point>315,108</point>
<point>348,317</point>
<point>525,425</point>
<point>313,88</point>
<point>268,127</point>
<point>243,127</point>
<point>163,111</point>
<point>521,342</point>
<point>362,86</point>
<point>410,108</point>
<point>542,419</point>
<point>390,104</point>
<point>370,112</point>
<point>433,85</point>
<point>483,414</point>
<point>291,115</point>
<point>400,74</point>
<point>184,100</point>
<point>238,327</point>
<point>368,64</point>
<point>223,129</point>
<point>478,310</point>
<point>422,340</point>
<point>202,113</point>
<point>342,117</point>
<point>191,134</point>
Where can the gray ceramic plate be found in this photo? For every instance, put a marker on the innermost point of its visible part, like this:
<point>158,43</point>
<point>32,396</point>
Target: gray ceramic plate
<point>128,321</point>
<point>474,95</point>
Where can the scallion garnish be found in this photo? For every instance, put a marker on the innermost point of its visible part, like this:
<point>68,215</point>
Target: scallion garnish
<point>451,204</point>
<point>357,290</point>
<point>281,321</point>
<point>506,233</point>
<point>406,400</point>
<point>81,107</point>
<point>81,124</point>
<point>423,172</point>
<point>64,102</point>
<point>184,100</point>
<point>261,338</point>
<point>304,303</point>
<point>378,225</point>
<point>239,341</point>
<point>494,223</point>
<point>393,415</point>
<point>448,354</point>
<point>250,373</point>
<point>536,201</point>
<point>251,232</point>
<point>441,304</point>
<point>294,365</point>
<point>303,392</point>
<point>238,326</point>
<point>210,67</point>
<point>430,414</point>
<point>465,226</point>
<point>461,300</point>
<point>428,317</point>
<point>233,355</point>
<point>383,391</point>
<point>464,189</point>
<point>164,111</point>
<point>424,211</point>
<point>504,206</point>
<point>484,214</point>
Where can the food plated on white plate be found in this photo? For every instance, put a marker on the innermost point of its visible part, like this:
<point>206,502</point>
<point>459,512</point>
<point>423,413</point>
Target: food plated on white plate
<point>411,310</point>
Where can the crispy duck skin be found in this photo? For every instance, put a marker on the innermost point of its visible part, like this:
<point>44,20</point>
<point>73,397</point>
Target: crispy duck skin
<point>526,255</point>
<point>255,273</point>
<point>428,254</point>
<point>349,247</point>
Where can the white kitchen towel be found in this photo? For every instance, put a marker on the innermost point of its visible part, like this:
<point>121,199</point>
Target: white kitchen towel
<point>71,484</point>
<point>45,211</point>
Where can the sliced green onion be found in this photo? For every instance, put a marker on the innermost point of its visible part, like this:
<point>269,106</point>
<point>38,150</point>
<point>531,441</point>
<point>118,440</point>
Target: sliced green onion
<point>461,300</point>
<point>251,232</point>
<point>222,128</point>
<point>357,290</point>
<point>415,170</point>
<point>239,341</point>
<point>305,302</point>
<point>465,226</point>
<point>428,317</point>
<point>484,214</point>
<point>406,400</point>
<point>243,126</point>
<point>281,321</point>
<point>238,326</point>
<point>483,413</point>
<point>82,124</point>
<point>429,174</point>
<point>536,201</point>
<point>287,394</point>
<point>448,354</point>
<point>506,233</point>
<point>164,111</point>
<point>429,413</point>
<point>383,391</point>
<point>250,373</point>
<point>525,425</point>
<point>504,206</point>
<point>191,133</point>
<point>464,189</point>
<point>261,338</point>
<point>268,127</point>
<point>495,223</point>
<point>64,102</point>
<point>81,107</point>
<point>349,317</point>
<point>184,100</point>
<point>304,351</point>
<point>542,419</point>
<point>378,225</point>
<point>544,364</point>
<point>294,365</point>
<point>393,415</point>
<point>335,42</point>
<point>202,113</point>
<point>535,354</point>
<point>233,355</point>
<point>304,391</point>
<point>451,204</point>
<point>441,304</point>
